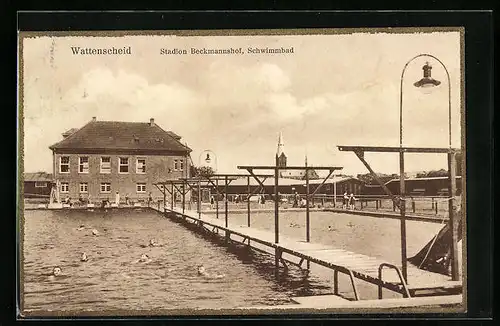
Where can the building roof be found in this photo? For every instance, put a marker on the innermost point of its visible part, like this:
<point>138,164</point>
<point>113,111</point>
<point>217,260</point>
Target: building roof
<point>38,176</point>
<point>122,135</point>
<point>69,132</point>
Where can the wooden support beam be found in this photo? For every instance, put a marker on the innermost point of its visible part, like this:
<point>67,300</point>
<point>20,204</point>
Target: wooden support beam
<point>397,149</point>
<point>271,167</point>
<point>360,155</point>
<point>322,183</point>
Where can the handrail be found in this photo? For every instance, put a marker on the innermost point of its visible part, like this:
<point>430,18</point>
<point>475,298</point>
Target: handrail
<point>400,277</point>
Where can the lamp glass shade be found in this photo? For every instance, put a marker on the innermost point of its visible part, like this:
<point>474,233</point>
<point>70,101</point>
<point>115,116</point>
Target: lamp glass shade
<point>427,81</point>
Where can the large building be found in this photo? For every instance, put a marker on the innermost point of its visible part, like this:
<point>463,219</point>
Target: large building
<point>105,157</point>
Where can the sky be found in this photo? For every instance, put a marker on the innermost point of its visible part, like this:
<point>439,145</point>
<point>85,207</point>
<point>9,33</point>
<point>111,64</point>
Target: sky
<point>338,89</point>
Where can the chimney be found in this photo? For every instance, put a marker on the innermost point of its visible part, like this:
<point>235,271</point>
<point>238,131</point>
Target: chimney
<point>151,122</point>
<point>94,119</point>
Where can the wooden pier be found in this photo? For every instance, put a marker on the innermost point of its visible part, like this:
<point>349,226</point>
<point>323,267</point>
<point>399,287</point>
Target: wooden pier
<point>383,274</point>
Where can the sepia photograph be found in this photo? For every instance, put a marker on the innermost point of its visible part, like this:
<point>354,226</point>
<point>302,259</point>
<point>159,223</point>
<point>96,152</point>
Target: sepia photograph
<point>242,172</point>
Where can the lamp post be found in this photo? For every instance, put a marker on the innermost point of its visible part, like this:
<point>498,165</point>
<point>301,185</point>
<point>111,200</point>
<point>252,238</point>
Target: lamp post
<point>210,158</point>
<point>426,82</point>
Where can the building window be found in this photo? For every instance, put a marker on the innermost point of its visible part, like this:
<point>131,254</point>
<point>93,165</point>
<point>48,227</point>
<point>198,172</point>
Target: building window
<point>141,187</point>
<point>40,184</point>
<point>105,164</point>
<point>64,164</point>
<point>83,167</point>
<point>105,187</point>
<point>123,164</point>
<point>64,187</point>
<point>84,187</point>
<point>181,165</point>
<point>140,166</point>
<point>176,165</point>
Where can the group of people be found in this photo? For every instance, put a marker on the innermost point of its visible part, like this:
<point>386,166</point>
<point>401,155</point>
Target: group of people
<point>237,199</point>
<point>57,271</point>
<point>348,201</point>
<point>104,202</point>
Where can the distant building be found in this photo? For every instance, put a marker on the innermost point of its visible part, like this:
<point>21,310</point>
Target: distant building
<point>104,157</point>
<point>37,185</point>
<point>430,186</point>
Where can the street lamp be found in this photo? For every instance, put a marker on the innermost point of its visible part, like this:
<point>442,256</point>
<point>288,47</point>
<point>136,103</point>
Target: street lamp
<point>426,82</point>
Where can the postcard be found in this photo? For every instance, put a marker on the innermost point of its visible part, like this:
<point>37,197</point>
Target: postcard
<point>241,172</point>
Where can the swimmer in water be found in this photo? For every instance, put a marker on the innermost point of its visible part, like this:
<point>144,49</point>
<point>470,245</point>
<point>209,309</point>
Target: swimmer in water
<point>331,228</point>
<point>203,272</point>
<point>82,226</point>
<point>95,232</point>
<point>294,225</point>
<point>56,271</point>
<point>144,259</point>
<point>153,243</point>
<point>84,257</point>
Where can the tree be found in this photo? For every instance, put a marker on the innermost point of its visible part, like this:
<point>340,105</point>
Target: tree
<point>202,171</point>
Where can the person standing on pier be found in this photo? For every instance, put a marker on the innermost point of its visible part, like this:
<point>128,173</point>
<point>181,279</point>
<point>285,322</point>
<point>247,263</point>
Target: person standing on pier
<point>352,200</point>
<point>296,200</point>
<point>117,198</point>
<point>150,199</point>
<point>127,200</point>
<point>345,200</point>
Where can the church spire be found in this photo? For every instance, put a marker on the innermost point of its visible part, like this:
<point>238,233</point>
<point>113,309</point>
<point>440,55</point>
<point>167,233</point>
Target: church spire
<point>280,144</point>
<point>280,153</point>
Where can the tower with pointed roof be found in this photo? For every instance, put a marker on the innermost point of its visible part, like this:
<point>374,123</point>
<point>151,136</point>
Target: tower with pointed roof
<point>280,152</point>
